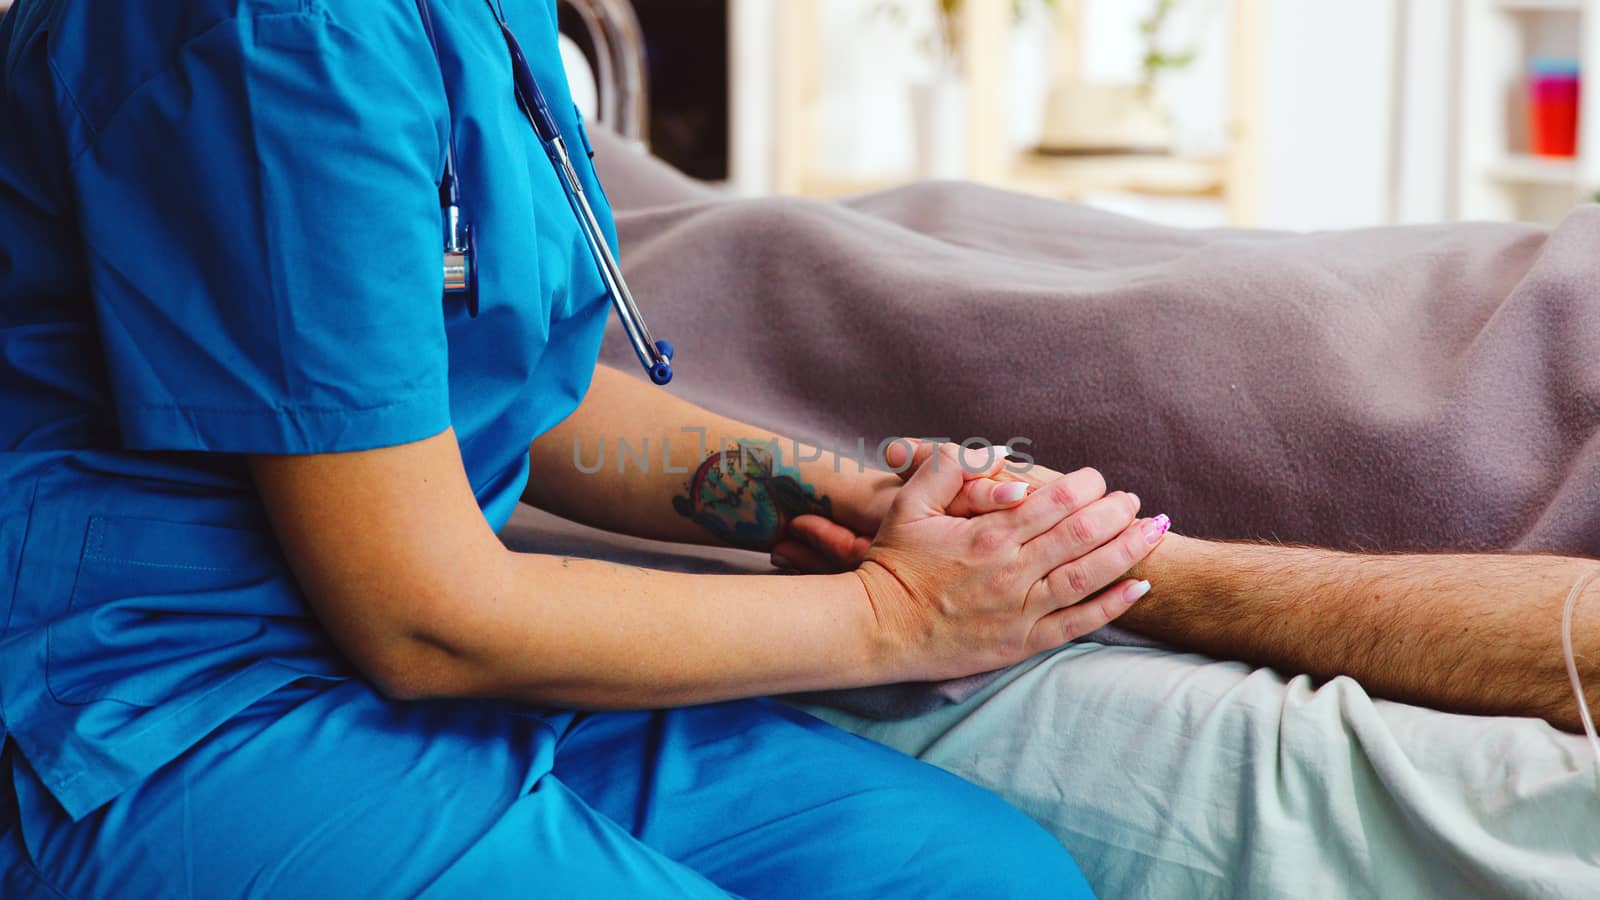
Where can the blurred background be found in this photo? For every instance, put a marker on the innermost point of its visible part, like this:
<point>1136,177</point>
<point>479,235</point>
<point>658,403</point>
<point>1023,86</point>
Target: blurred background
<point>1301,114</point>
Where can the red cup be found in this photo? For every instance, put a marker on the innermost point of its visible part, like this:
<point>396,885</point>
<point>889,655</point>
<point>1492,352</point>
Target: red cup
<point>1553,92</point>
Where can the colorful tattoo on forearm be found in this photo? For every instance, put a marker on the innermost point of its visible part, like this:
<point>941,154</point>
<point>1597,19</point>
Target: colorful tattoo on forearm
<point>746,495</point>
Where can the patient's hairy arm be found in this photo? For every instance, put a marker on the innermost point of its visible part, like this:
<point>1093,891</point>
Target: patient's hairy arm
<point>1466,633</point>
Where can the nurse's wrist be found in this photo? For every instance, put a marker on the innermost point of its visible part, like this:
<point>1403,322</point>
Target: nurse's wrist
<point>884,655</point>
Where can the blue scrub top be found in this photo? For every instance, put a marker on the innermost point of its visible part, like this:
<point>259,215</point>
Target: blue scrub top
<point>220,234</point>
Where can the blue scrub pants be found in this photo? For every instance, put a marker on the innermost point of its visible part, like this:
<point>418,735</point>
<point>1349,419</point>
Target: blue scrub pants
<point>329,790</point>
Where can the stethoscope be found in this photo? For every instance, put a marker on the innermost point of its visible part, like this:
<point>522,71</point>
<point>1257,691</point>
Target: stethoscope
<point>460,256</point>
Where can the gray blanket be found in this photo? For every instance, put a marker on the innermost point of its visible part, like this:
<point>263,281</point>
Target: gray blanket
<point>1416,388</point>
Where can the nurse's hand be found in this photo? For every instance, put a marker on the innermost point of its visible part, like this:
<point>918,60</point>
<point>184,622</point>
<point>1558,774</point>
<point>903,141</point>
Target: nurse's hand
<point>952,596</point>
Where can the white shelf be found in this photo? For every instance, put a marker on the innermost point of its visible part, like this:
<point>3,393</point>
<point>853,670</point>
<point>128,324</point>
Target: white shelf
<point>1496,177</point>
<point>1537,6</point>
<point>1526,168</point>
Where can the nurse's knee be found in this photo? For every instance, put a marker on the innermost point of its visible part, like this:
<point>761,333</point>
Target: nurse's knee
<point>971,843</point>
<point>1010,855</point>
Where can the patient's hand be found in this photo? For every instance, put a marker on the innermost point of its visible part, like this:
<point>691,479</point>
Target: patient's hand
<point>818,545</point>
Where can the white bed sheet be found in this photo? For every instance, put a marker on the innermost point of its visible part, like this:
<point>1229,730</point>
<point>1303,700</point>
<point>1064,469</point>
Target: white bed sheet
<point>1174,775</point>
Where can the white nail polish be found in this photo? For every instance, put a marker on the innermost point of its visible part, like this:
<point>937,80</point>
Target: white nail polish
<point>1138,591</point>
<point>976,460</point>
<point>1010,492</point>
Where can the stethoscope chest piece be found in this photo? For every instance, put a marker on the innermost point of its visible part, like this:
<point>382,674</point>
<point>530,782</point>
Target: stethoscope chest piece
<point>460,270</point>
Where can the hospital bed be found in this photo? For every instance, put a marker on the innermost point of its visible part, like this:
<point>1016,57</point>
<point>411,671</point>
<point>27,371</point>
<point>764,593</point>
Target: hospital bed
<point>1170,774</point>
<point>612,29</point>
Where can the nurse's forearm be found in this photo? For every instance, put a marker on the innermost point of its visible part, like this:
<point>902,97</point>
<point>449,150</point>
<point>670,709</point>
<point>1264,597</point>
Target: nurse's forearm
<point>580,633</point>
<point>1467,633</point>
<point>399,565</point>
<point>636,459</point>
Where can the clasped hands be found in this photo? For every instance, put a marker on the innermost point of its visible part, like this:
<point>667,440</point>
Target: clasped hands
<point>970,565</point>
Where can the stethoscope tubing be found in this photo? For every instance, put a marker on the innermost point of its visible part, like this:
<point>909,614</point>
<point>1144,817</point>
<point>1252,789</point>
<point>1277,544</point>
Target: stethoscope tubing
<point>460,254</point>
<point>655,356</point>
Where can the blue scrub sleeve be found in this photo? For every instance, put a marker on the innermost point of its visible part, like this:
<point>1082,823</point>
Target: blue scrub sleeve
<point>262,235</point>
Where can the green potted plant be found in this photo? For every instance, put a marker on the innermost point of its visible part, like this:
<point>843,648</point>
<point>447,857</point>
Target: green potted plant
<point>1159,59</point>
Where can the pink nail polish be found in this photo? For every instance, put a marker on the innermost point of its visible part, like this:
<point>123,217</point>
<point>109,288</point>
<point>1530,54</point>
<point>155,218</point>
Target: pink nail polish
<point>1156,528</point>
<point>1010,492</point>
<point>1137,591</point>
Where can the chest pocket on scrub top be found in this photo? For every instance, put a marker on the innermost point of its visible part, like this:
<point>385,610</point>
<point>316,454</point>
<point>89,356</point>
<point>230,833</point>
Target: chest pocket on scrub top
<point>159,609</point>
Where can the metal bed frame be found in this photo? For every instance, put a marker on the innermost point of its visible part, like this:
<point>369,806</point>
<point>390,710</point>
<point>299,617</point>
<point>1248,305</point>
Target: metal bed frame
<point>613,28</point>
